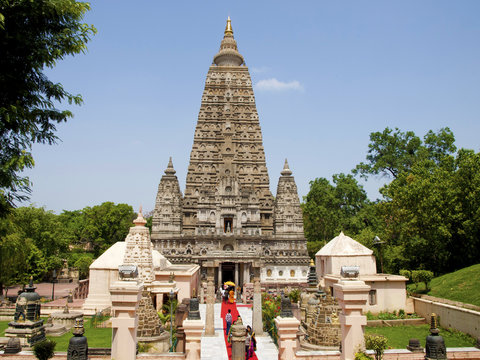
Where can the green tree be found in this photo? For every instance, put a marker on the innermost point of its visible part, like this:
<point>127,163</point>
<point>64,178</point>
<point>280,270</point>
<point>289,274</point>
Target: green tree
<point>329,209</point>
<point>33,35</point>
<point>430,210</point>
<point>83,264</point>
<point>392,152</point>
<point>97,228</point>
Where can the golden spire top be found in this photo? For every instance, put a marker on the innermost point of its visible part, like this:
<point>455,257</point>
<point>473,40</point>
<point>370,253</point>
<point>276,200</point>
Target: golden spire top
<point>228,28</point>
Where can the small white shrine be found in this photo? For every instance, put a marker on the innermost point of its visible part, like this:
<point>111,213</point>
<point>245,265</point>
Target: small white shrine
<point>387,291</point>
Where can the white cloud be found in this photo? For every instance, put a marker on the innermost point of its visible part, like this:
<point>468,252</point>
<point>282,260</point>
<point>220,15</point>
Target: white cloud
<point>259,70</point>
<point>277,85</point>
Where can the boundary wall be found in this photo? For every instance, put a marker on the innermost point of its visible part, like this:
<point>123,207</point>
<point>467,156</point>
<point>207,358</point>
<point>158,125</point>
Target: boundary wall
<point>450,316</point>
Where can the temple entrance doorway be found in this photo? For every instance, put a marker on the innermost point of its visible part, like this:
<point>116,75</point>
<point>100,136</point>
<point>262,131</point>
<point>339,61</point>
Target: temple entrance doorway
<point>228,272</point>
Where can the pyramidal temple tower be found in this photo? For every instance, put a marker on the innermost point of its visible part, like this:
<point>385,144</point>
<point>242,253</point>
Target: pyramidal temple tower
<point>228,214</point>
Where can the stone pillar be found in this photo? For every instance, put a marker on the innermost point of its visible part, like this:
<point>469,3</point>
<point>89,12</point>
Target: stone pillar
<point>287,329</point>
<point>246,274</point>
<point>193,334</point>
<point>239,334</point>
<point>125,297</point>
<point>352,297</point>
<point>220,275</point>
<point>159,301</point>
<point>180,316</point>
<point>210,317</point>
<point>236,274</point>
<point>257,323</point>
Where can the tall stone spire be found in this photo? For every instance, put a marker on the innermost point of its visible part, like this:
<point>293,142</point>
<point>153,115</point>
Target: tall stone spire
<point>167,216</point>
<point>288,219</point>
<point>227,181</point>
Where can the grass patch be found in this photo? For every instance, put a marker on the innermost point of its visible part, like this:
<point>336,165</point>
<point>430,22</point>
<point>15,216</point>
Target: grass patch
<point>398,336</point>
<point>461,285</point>
<point>97,337</point>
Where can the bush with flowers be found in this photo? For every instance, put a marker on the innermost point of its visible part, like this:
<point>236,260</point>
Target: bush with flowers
<point>270,310</point>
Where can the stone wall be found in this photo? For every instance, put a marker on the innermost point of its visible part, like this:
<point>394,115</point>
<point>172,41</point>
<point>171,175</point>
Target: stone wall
<point>459,318</point>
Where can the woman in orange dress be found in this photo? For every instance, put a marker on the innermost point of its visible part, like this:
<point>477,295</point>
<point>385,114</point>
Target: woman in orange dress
<point>231,296</point>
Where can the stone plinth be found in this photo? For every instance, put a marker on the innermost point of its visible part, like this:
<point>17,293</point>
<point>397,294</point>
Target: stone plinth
<point>66,319</point>
<point>29,332</point>
<point>125,297</point>
<point>287,329</point>
<point>352,297</point>
<point>193,334</point>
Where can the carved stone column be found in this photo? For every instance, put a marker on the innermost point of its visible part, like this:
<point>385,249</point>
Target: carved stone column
<point>257,322</point>
<point>236,274</point>
<point>287,329</point>
<point>238,341</point>
<point>352,297</point>
<point>210,317</point>
<point>125,297</point>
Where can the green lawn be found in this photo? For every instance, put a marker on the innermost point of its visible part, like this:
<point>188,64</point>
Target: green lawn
<point>97,337</point>
<point>398,336</point>
<point>461,285</point>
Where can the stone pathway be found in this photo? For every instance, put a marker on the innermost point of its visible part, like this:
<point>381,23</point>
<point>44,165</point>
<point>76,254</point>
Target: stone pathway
<point>213,347</point>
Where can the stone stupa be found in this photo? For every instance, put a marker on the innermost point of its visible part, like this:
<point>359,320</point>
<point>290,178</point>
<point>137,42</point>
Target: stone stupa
<point>138,251</point>
<point>27,325</point>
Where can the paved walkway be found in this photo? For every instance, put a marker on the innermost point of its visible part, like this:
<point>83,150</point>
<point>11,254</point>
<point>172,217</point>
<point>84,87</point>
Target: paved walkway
<point>213,347</point>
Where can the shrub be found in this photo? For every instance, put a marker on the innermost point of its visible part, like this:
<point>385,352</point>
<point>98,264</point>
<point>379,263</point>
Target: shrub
<point>377,343</point>
<point>44,350</point>
<point>294,295</point>
<point>406,273</point>
<point>424,276</point>
<point>362,356</point>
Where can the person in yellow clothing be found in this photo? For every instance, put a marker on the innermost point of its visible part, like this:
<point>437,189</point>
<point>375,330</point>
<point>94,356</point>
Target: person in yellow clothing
<point>231,296</point>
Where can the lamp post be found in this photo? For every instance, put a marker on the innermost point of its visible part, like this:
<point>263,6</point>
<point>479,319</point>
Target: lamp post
<point>171,319</point>
<point>54,280</point>
<point>377,241</point>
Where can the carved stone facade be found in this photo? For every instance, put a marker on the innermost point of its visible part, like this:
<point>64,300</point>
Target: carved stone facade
<point>228,214</point>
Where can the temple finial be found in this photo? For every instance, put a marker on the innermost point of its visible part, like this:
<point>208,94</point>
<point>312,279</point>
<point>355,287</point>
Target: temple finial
<point>286,170</point>
<point>170,170</point>
<point>228,28</point>
<point>140,221</point>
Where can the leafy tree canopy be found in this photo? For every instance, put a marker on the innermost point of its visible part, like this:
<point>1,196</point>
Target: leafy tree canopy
<point>33,35</point>
<point>329,209</point>
<point>392,152</point>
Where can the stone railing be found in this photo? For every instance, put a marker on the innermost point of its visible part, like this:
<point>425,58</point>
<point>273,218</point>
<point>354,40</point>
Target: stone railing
<point>81,291</point>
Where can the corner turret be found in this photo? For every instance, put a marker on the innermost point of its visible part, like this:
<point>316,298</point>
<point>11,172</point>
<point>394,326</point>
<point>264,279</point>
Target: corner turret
<point>167,216</point>
<point>287,219</point>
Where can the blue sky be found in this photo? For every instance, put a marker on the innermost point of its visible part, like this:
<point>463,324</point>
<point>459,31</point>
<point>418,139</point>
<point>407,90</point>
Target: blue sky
<point>325,74</point>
